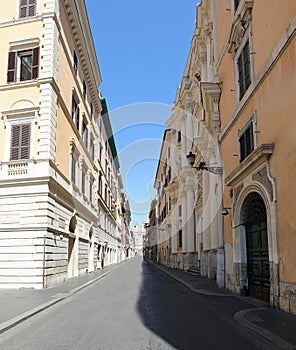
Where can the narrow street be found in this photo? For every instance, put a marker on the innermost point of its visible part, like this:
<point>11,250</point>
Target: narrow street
<point>136,306</point>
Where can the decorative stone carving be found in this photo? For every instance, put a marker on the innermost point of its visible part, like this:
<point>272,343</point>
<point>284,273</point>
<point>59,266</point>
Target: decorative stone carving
<point>261,176</point>
<point>237,192</point>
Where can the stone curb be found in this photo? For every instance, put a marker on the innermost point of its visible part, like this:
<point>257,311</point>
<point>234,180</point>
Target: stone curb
<point>5,326</point>
<point>240,316</point>
<point>188,285</point>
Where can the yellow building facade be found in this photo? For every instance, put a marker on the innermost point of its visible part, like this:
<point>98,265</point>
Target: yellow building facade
<point>59,177</point>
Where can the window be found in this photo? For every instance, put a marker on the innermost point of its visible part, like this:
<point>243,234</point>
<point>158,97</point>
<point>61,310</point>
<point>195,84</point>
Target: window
<point>27,8</point>
<point>236,3</point>
<point>85,133</point>
<point>180,243</point>
<point>20,141</point>
<point>91,110</point>
<point>91,185</point>
<point>73,168</point>
<point>75,63</point>
<point>23,65</point>
<point>75,112</point>
<point>100,184</point>
<point>246,142</point>
<point>179,136</point>
<point>92,148</point>
<point>84,89</point>
<point>83,177</point>
<point>180,210</point>
<point>244,70</point>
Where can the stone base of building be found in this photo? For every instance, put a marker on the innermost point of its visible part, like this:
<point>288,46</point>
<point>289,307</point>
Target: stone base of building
<point>208,264</point>
<point>287,299</point>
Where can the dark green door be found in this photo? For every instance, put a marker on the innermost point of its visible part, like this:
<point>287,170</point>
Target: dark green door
<point>257,248</point>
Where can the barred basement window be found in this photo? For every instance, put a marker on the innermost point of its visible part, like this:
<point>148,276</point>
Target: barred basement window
<point>20,141</point>
<point>244,70</point>
<point>23,65</point>
<point>246,142</point>
<point>27,8</point>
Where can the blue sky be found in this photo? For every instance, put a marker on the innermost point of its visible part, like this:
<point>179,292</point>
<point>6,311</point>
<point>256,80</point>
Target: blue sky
<point>142,47</point>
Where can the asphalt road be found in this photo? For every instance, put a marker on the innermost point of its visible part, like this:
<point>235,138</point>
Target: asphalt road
<point>135,307</point>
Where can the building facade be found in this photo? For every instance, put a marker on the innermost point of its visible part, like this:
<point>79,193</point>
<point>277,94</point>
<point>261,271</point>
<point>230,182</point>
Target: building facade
<point>59,187</point>
<point>256,66</point>
<point>234,112</point>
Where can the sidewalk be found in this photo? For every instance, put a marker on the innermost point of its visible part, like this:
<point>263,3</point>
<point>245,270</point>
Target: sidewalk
<point>277,326</point>
<point>17,305</point>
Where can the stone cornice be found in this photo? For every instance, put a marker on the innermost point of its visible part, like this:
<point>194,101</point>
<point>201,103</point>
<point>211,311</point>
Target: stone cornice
<point>78,22</point>
<point>260,155</point>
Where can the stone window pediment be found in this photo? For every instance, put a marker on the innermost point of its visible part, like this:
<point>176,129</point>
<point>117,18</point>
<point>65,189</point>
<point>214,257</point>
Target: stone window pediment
<point>240,24</point>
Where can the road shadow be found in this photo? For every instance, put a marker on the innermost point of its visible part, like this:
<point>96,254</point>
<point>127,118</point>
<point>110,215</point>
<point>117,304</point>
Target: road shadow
<point>186,320</point>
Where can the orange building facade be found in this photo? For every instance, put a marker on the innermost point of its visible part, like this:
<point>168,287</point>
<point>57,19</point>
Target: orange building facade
<point>256,59</point>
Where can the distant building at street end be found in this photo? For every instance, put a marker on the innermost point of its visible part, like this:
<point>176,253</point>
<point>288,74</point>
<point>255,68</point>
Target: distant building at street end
<point>138,233</point>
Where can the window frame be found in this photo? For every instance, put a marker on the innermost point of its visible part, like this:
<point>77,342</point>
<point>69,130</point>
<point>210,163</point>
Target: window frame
<point>242,133</point>
<point>244,78</point>
<point>14,64</point>
<point>20,145</point>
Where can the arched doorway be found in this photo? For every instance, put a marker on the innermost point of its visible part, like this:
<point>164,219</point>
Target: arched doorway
<point>258,270</point>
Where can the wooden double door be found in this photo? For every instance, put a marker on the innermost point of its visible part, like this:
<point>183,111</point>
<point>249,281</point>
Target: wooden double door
<point>258,268</point>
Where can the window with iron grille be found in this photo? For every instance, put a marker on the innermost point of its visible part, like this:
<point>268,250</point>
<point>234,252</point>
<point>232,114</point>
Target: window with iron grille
<point>20,141</point>
<point>244,70</point>
<point>75,62</point>
<point>23,65</point>
<point>246,142</point>
<point>75,112</point>
<point>27,8</point>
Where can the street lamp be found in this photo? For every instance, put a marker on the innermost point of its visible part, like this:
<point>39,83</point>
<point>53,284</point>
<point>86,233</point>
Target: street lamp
<point>202,165</point>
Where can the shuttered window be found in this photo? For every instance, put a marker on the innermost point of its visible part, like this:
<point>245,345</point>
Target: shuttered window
<point>27,8</point>
<point>246,142</point>
<point>244,70</point>
<point>23,65</point>
<point>20,141</point>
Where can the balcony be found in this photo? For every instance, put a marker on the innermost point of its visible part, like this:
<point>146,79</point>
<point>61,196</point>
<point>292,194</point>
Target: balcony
<point>23,169</point>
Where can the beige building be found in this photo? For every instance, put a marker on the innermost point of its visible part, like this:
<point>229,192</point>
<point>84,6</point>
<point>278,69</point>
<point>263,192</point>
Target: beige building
<point>59,186</point>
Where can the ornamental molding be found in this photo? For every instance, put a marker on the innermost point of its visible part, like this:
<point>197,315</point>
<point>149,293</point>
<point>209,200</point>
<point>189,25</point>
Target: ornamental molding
<point>241,21</point>
<point>258,157</point>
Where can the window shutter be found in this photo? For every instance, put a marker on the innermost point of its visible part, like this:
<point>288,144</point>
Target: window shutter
<point>20,142</point>
<point>35,62</point>
<point>27,8</point>
<point>32,8</point>
<point>11,67</point>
